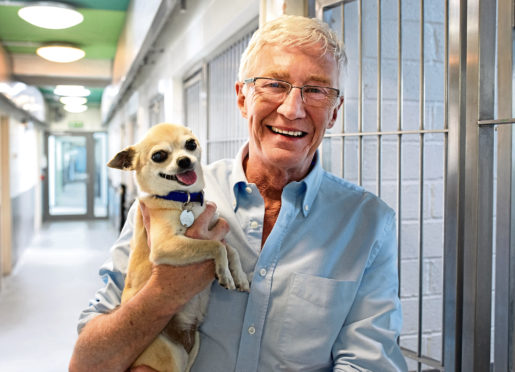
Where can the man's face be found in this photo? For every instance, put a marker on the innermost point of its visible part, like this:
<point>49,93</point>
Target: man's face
<point>285,135</point>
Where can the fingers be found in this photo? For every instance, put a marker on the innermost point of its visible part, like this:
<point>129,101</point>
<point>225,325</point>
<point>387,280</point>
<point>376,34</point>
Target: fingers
<point>205,217</point>
<point>146,220</point>
<point>202,229</point>
<point>219,230</point>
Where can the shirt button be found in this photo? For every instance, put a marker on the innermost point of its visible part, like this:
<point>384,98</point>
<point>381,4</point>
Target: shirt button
<point>262,272</point>
<point>254,224</point>
<point>252,330</point>
<point>248,189</point>
<point>306,207</point>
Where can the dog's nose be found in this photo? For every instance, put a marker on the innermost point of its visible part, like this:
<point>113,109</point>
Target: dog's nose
<point>184,162</point>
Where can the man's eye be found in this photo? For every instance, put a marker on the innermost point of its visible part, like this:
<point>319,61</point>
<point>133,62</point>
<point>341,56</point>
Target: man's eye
<point>191,145</point>
<point>276,85</point>
<point>159,156</point>
<point>314,90</point>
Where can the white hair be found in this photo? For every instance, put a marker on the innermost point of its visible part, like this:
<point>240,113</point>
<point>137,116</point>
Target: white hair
<point>293,31</point>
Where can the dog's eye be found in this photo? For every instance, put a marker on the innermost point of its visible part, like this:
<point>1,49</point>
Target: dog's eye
<point>191,145</point>
<point>159,156</point>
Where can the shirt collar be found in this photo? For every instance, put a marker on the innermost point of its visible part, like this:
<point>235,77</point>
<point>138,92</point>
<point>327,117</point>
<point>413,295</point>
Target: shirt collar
<point>238,176</point>
<point>311,182</point>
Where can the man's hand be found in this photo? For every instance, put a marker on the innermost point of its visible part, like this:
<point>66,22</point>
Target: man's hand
<point>201,228</point>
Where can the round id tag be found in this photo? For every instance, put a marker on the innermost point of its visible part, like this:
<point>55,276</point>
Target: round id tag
<point>187,217</point>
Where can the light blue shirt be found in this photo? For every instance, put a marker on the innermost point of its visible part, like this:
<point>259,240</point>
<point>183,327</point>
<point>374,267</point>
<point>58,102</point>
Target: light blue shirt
<point>324,286</point>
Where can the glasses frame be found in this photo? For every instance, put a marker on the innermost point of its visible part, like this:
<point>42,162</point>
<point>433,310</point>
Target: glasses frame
<point>253,81</point>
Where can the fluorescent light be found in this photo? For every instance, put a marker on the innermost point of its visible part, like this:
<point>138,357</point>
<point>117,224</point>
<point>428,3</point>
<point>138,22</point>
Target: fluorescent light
<point>51,15</point>
<point>75,109</point>
<point>71,91</point>
<point>60,53</point>
<point>73,100</point>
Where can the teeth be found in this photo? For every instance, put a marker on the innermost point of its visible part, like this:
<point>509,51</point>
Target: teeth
<point>287,132</point>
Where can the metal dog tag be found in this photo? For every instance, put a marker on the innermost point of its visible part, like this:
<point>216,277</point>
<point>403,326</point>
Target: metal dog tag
<point>187,217</point>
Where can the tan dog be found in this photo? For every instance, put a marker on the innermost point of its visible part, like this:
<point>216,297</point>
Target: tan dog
<point>168,173</point>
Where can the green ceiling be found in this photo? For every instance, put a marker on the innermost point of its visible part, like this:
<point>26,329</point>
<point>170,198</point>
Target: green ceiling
<point>94,97</point>
<point>97,35</point>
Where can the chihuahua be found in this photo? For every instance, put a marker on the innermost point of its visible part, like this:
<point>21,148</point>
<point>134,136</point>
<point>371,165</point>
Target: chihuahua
<point>170,180</point>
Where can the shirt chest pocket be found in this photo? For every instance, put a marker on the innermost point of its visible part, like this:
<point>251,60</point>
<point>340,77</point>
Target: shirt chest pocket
<point>315,313</point>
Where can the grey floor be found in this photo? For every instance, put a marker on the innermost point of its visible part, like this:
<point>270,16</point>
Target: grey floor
<point>41,300</point>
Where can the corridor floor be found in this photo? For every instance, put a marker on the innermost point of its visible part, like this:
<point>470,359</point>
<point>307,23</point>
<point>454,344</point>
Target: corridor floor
<point>41,301</point>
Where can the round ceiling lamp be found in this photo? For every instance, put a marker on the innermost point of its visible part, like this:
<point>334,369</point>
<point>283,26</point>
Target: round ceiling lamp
<point>51,15</point>
<point>61,53</point>
<point>71,91</point>
<point>74,101</point>
<point>75,109</point>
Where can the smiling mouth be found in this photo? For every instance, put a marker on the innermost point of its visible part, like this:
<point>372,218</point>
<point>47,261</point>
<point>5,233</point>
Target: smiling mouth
<point>288,133</point>
<point>187,178</point>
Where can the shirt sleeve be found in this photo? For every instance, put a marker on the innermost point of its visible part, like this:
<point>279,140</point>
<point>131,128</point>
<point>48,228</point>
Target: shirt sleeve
<point>112,273</point>
<point>368,339</point>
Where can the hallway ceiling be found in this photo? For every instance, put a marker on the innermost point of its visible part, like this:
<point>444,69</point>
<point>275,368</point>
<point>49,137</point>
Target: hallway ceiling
<point>97,35</point>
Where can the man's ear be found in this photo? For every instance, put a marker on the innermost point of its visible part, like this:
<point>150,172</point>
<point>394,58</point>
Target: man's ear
<point>241,98</point>
<point>335,112</point>
<point>125,159</point>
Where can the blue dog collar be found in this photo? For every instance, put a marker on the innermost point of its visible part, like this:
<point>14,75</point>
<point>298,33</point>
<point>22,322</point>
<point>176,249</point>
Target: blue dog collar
<point>183,197</point>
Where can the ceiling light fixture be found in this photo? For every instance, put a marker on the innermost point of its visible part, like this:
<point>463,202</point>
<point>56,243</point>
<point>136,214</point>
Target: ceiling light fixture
<point>75,109</point>
<point>51,15</point>
<point>71,91</point>
<point>73,100</point>
<point>62,53</point>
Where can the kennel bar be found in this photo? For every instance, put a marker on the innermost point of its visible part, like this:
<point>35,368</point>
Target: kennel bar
<point>421,189</point>
<point>454,206</point>
<point>386,133</point>
<point>477,240</point>
<point>360,91</point>
<point>399,140</point>
<point>379,99</point>
<point>498,121</point>
<point>505,247</point>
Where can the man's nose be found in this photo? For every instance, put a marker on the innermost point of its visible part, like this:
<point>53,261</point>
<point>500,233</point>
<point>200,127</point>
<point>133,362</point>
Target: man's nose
<point>293,106</point>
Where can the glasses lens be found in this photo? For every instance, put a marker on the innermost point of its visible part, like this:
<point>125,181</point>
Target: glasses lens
<point>318,96</point>
<point>272,89</point>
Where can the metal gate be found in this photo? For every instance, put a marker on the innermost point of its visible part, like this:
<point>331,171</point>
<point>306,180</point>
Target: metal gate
<point>418,129</point>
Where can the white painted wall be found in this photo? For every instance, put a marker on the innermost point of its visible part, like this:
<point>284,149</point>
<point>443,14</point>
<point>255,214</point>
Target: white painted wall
<point>140,15</point>
<point>5,65</point>
<point>24,157</point>
<point>90,118</point>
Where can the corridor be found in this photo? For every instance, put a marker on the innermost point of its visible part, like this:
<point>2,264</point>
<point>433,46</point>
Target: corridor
<point>40,302</point>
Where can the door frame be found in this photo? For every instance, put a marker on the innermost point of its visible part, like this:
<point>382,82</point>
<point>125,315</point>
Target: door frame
<point>90,184</point>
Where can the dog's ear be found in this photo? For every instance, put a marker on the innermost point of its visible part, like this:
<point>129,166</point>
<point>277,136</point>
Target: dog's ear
<point>124,160</point>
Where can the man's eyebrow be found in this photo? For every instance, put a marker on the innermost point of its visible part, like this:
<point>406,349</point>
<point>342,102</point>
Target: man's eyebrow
<point>312,79</point>
<point>278,75</point>
<point>319,79</point>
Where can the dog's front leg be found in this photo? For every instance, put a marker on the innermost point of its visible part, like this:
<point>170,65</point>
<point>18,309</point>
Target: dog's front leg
<point>180,250</point>
<point>240,278</point>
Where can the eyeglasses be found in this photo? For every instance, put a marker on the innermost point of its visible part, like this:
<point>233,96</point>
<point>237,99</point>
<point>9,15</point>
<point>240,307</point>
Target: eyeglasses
<point>275,90</point>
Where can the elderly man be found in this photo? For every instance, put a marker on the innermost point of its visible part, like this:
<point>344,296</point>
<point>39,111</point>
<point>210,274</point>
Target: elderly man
<point>322,251</point>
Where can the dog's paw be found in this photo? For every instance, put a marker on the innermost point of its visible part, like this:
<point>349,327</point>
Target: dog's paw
<point>241,282</point>
<point>225,279</point>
